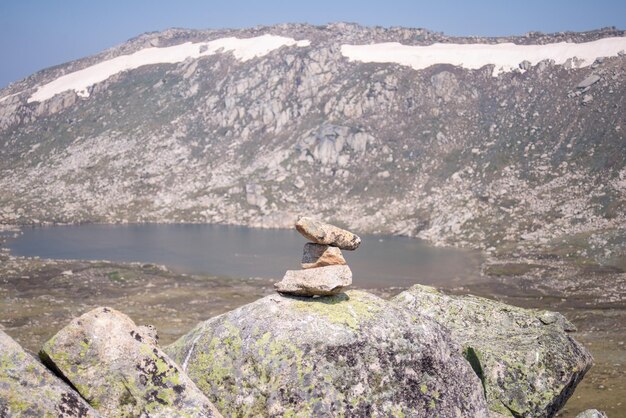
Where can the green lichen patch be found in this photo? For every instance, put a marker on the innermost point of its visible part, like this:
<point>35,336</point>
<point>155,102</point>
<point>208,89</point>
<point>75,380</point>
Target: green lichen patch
<point>105,357</point>
<point>345,355</point>
<point>351,309</point>
<point>525,359</point>
<point>29,389</point>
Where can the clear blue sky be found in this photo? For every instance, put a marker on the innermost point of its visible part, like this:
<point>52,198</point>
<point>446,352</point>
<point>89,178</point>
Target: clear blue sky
<point>35,34</point>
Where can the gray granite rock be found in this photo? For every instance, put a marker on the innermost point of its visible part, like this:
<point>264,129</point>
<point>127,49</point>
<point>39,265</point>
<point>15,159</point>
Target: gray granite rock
<point>120,371</point>
<point>323,233</point>
<point>319,255</point>
<point>328,280</point>
<point>527,361</point>
<point>592,413</point>
<point>28,389</point>
<point>589,81</point>
<point>352,354</point>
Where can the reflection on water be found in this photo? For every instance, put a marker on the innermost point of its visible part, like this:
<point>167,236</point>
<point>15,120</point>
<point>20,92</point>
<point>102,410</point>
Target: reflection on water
<point>380,261</point>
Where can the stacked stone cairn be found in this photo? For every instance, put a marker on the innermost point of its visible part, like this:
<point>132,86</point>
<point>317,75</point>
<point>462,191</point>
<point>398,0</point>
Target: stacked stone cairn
<point>324,270</point>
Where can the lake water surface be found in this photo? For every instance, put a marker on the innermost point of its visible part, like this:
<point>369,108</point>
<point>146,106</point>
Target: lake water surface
<point>380,261</point>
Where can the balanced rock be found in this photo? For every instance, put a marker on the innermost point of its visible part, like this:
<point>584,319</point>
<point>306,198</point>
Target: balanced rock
<point>319,255</point>
<point>28,389</point>
<point>352,354</point>
<point>323,233</point>
<point>527,362</point>
<point>120,371</point>
<point>328,280</point>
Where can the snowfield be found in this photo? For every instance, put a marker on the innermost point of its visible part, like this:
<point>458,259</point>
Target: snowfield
<point>505,57</point>
<point>242,49</point>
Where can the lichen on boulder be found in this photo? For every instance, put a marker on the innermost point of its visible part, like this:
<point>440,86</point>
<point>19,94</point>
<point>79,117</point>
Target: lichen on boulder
<point>528,363</point>
<point>351,354</point>
<point>118,369</point>
<point>28,389</point>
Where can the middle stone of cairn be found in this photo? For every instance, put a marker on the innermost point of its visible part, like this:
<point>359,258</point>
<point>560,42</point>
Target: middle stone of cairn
<point>324,270</point>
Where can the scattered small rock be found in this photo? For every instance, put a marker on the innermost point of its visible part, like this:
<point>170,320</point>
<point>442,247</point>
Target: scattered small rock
<point>587,98</point>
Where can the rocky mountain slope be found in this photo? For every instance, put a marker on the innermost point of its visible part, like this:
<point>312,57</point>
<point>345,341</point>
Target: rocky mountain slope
<point>522,144</point>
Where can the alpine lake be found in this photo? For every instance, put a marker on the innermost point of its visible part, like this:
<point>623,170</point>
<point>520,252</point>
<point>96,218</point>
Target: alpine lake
<point>174,276</point>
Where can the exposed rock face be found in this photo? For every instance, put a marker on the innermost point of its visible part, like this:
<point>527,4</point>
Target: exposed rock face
<point>448,154</point>
<point>323,233</point>
<point>120,371</point>
<point>347,355</point>
<point>28,389</point>
<point>318,255</point>
<point>328,280</point>
<point>528,363</point>
<point>333,145</point>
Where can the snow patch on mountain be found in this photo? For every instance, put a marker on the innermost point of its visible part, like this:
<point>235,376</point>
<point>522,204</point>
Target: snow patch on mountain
<point>242,49</point>
<point>506,57</point>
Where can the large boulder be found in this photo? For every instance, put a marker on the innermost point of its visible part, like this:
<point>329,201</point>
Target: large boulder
<point>351,354</point>
<point>527,361</point>
<point>28,389</point>
<point>117,367</point>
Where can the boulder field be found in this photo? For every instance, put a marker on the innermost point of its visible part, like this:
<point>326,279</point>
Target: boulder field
<point>421,354</point>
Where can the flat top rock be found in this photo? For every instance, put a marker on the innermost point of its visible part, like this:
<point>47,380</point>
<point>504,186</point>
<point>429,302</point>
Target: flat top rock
<point>328,280</point>
<point>323,233</point>
<point>528,363</point>
<point>351,354</point>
